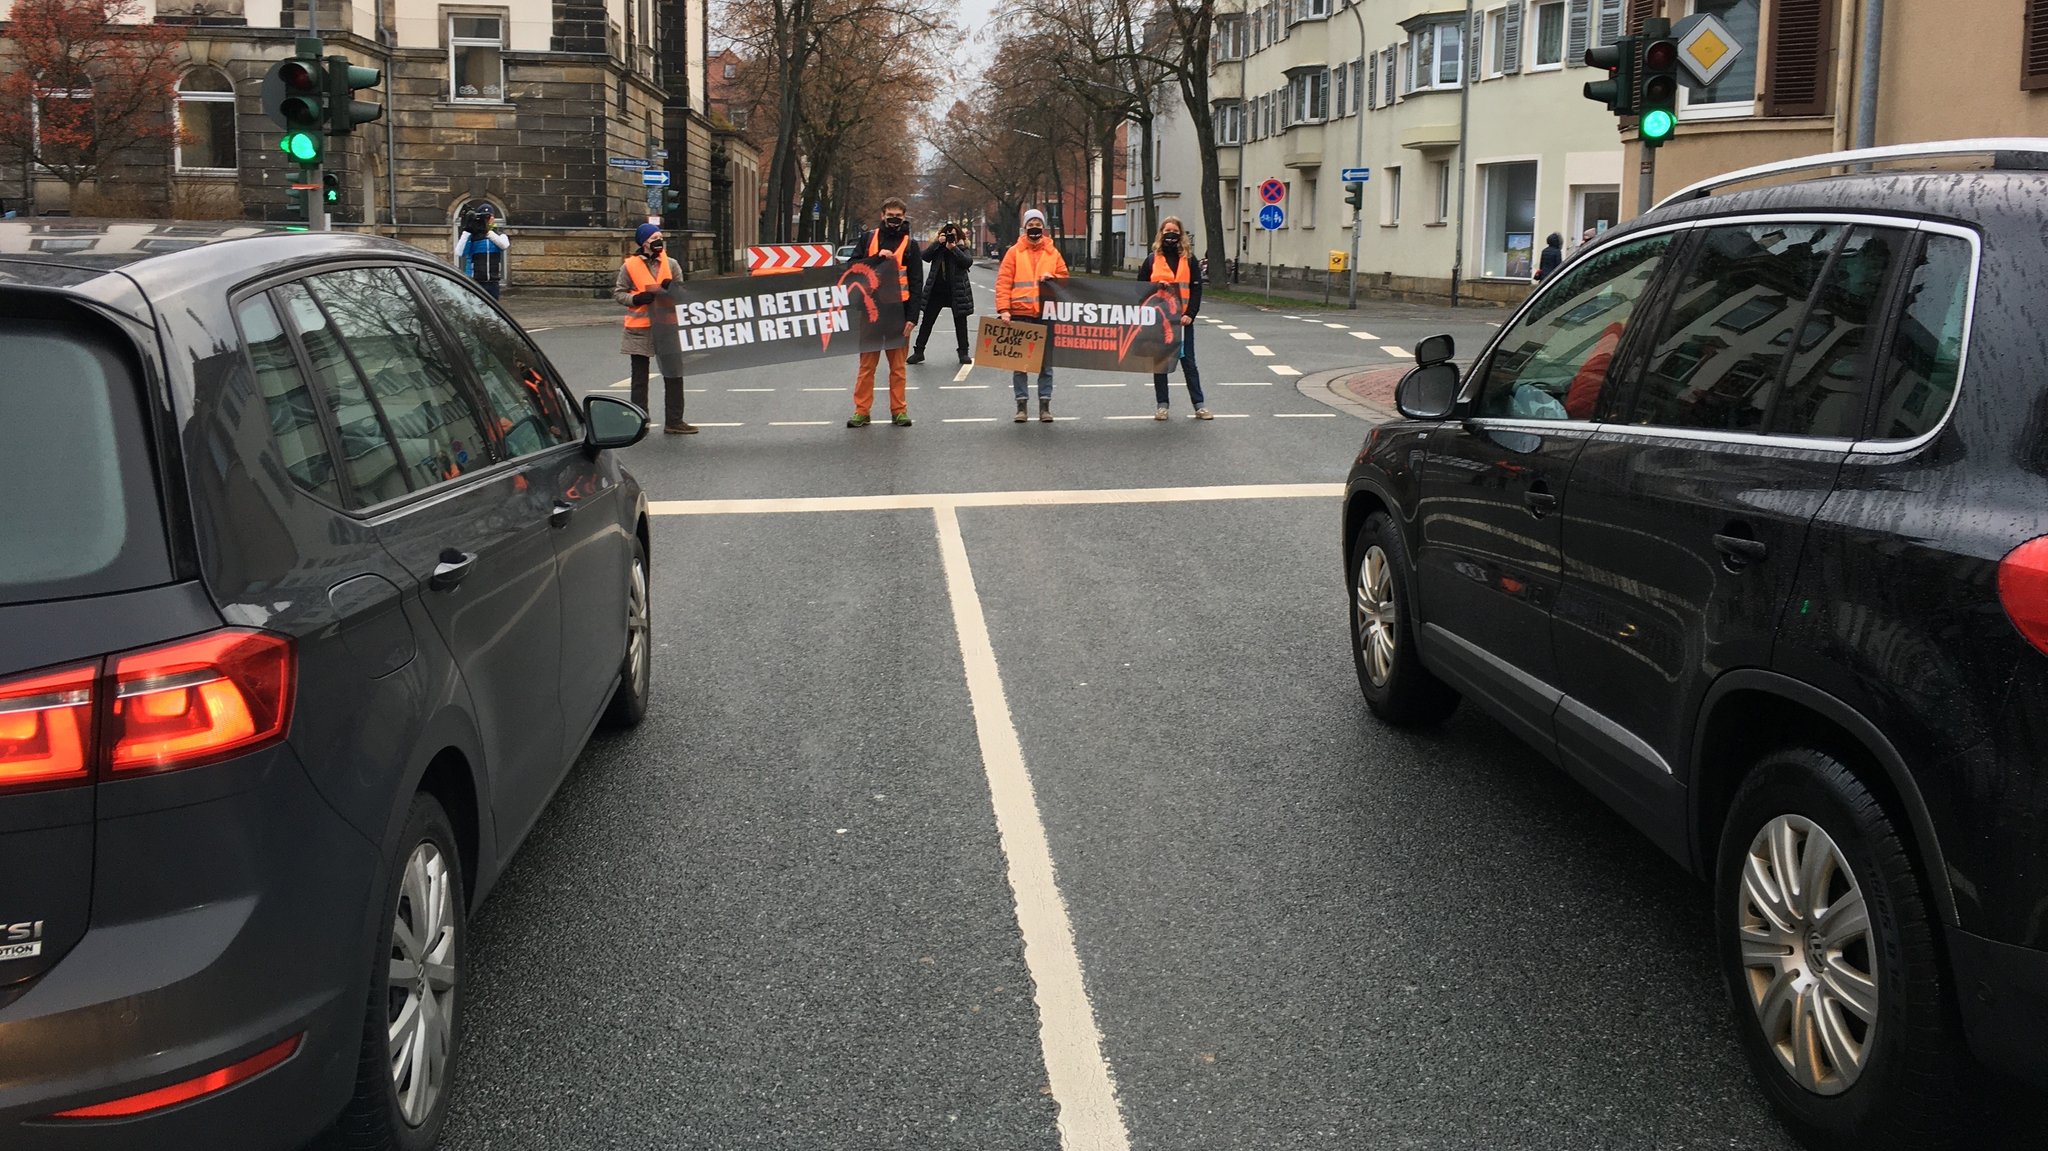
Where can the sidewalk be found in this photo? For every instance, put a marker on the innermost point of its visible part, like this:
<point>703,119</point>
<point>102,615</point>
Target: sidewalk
<point>534,312</point>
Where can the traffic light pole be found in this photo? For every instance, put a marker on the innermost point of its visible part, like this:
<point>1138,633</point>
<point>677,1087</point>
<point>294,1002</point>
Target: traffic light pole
<point>1358,213</point>
<point>316,197</point>
<point>1646,180</point>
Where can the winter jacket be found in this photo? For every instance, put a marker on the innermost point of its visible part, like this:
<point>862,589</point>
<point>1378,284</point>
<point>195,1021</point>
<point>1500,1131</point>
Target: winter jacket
<point>1025,266</point>
<point>1194,302</point>
<point>640,341</point>
<point>949,286</point>
<point>912,272</point>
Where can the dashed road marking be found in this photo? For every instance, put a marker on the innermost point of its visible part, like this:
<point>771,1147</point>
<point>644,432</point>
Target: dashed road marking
<point>750,389</point>
<point>1049,497</point>
<point>1339,327</point>
<point>1283,370</point>
<point>1232,415</point>
<point>1098,385</point>
<point>1365,335</point>
<point>824,389</point>
<point>962,387</point>
<point>1402,353</point>
<point>1127,417</point>
<point>1227,327</point>
<point>702,424</point>
<point>799,423</point>
<point>1246,384</point>
<point>969,420</point>
<point>962,373</point>
<point>1304,415</point>
<point>1242,336</point>
<point>1258,350</point>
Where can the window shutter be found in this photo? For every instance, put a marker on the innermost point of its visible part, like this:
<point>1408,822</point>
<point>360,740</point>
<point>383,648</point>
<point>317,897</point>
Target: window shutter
<point>1639,11</point>
<point>1511,38</point>
<point>1388,67</point>
<point>1610,22</point>
<point>1577,29</point>
<point>1797,80</point>
<point>2034,47</point>
<point>1372,81</point>
<point>1473,43</point>
<point>1357,86</point>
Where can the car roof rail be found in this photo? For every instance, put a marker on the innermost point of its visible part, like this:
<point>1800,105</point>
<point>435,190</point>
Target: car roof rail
<point>2018,152</point>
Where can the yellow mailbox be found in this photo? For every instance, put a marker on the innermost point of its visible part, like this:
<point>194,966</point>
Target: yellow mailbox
<point>1337,260</point>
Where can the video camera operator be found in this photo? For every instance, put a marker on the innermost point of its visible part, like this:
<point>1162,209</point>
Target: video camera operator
<point>480,244</point>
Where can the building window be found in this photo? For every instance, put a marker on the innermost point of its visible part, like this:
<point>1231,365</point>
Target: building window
<point>1390,208</point>
<point>1549,36</point>
<point>1734,93</point>
<point>731,70</point>
<point>1436,57</point>
<point>1259,30</point>
<point>1497,43</point>
<point>476,58</point>
<point>1308,97</point>
<point>62,124</point>
<point>1230,123</point>
<point>206,122</point>
<point>1442,171</point>
<point>1508,245</point>
<point>1309,10</point>
<point>1230,38</point>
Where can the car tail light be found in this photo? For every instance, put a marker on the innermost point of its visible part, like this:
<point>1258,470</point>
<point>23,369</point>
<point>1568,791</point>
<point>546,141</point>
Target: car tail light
<point>2023,590</point>
<point>183,704</point>
<point>46,727</point>
<point>199,700</point>
<point>190,1089</point>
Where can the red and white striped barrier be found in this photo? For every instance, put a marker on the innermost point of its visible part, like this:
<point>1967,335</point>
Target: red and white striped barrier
<point>768,258</point>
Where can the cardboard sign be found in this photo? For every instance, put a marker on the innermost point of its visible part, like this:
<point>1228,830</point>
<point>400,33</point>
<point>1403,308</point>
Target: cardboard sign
<point>1012,345</point>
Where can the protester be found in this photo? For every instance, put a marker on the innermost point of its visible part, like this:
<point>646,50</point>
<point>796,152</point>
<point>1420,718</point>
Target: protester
<point>1553,255</point>
<point>947,289</point>
<point>480,245</point>
<point>1031,261</point>
<point>891,241</point>
<point>645,287</point>
<point>1169,264</point>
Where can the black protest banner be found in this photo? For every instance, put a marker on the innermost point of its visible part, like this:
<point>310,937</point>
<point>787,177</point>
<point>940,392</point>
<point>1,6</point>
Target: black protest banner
<point>1112,325</point>
<point>807,315</point>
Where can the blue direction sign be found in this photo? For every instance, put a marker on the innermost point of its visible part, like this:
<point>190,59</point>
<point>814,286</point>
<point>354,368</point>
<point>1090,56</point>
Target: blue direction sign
<point>627,162</point>
<point>654,178</point>
<point>1271,217</point>
<point>1355,176</point>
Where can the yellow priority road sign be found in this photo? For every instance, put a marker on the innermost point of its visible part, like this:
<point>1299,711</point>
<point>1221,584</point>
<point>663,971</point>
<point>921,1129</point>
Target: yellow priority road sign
<point>1706,48</point>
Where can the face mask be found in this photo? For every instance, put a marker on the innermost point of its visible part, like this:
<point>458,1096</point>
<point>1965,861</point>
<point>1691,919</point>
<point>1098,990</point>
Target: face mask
<point>1034,231</point>
<point>657,247</point>
<point>1170,244</point>
<point>893,227</point>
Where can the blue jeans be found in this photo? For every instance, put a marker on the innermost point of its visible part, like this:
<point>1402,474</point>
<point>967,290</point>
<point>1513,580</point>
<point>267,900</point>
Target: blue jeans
<point>1020,383</point>
<point>1187,369</point>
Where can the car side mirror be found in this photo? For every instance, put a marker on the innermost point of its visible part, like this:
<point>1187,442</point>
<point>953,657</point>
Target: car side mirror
<point>1428,392</point>
<point>1435,350</point>
<point>610,422</point>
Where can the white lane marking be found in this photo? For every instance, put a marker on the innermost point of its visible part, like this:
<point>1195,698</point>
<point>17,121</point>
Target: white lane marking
<point>1098,385</point>
<point>824,389</point>
<point>1402,353</point>
<point>1127,417</point>
<point>698,391</point>
<point>531,331</point>
<point>962,373</point>
<point>1339,327</point>
<point>970,420</point>
<point>1283,370</point>
<point>1227,327</point>
<point>1365,335</point>
<point>1051,497</point>
<point>1082,1084</point>
<point>1230,415</point>
<point>1237,335</point>
<point>750,389</point>
<point>799,423</point>
<point>616,388</point>
<point>1290,317</point>
<point>962,387</point>
<point>1304,415</point>
<point>625,383</point>
<point>1246,384</point>
<point>1258,349</point>
<point>702,424</point>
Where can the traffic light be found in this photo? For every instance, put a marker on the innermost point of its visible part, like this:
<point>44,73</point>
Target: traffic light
<point>344,80</point>
<point>1618,91</point>
<point>1658,104</point>
<point>330,192</point>
<point>294,97</point>
<point>1354,195</point>
<point>671,201</point>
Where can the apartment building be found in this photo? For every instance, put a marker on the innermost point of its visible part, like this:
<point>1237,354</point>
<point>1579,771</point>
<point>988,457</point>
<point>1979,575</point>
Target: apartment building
<point>1469,115</point>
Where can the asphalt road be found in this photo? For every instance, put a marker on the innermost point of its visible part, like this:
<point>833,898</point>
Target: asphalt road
<point>961,818</point>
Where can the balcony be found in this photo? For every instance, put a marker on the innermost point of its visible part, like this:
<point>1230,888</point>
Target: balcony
<point>1428,136</point>
<point>1226,82</point>
<point>1229,161</point>
<point>1304,144</point>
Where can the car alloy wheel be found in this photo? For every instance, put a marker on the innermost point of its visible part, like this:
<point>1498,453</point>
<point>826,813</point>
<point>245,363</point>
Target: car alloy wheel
<point>1378,617</point>
<point>1808,954</point>
<point>422,983</point>
<point>637,631</point>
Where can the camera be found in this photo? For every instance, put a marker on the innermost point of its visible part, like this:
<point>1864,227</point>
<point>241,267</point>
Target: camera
<point>949,233</point>
<point>476,221</point>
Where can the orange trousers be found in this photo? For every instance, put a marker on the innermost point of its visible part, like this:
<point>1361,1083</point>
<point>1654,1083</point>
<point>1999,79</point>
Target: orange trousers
<point>899,377</point>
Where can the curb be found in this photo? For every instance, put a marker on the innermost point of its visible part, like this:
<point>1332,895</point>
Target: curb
<point>1357,390</point>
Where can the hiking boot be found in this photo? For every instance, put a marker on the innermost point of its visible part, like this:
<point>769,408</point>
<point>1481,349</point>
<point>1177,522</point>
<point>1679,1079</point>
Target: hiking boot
<point>916,357</point>
<point>900,419</point>
<point>859,420</point>
<point>1161,414</point>
<point>680,428</point>
<point>964,357</point>
<point>1045,411</point>
<point>1203,414</point>
<point>1021,414</point>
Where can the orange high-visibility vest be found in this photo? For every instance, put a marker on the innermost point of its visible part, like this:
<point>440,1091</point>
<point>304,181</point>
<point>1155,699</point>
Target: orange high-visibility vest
<point>643,281</point>
<point>902,249</point>
<point>1161,274</point>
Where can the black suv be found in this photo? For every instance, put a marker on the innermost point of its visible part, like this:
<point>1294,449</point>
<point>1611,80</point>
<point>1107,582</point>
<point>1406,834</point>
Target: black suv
<point>313,582</point>
<point>1743,521</point>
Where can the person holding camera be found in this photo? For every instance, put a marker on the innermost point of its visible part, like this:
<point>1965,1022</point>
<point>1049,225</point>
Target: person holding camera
<point>947,289</point>
<point>480,249</point>
<point>645,287</point>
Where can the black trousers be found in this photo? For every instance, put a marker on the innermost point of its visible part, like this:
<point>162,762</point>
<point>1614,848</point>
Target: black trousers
<point>931,319</point>
<point>671,393</point>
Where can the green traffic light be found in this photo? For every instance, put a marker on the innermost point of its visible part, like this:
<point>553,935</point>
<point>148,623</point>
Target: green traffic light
<point>1657,124</point>
<point>300,146</point>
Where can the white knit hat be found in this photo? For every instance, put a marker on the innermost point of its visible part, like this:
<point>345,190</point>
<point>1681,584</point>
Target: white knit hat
<point>1033,214</point>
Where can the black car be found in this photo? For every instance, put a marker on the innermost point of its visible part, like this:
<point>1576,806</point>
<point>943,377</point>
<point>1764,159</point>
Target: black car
<point>313,582</point>
<point>1743,521</point>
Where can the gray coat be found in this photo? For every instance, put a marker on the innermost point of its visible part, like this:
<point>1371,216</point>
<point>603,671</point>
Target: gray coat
<point>658,339</point>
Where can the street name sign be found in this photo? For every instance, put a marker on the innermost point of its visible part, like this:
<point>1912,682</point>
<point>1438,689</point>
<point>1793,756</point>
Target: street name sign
<point>628,162</point>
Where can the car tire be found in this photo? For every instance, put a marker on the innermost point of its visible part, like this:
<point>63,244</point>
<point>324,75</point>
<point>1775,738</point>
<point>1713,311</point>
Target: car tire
<point>394,1109</point>
<point>628,704</point>
<point>1397,687</point>
<point>1851,1056</point>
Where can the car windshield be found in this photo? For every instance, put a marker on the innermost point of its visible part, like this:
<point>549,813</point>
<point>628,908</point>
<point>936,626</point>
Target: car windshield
<point>82,515</point>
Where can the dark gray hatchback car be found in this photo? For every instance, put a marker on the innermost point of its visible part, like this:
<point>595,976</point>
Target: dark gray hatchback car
<point>314,580</point>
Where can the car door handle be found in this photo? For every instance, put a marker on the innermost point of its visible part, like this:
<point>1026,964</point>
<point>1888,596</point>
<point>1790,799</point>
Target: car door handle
<point>1741,549</point>
<point>1540,503</point>
<point>563,513</point>
<point>450,571</point>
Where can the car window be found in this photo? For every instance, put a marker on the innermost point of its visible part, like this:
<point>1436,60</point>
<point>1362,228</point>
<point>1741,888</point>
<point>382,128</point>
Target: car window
<point>530,412</point>
<point>1927,353</point>
<point>1552,362</point>
<point>1716,360</point>
<point>294,418</point>
<point>81,517</point>
<point>368,456</point>
<point>438,431</point>
<point>1826,383</point>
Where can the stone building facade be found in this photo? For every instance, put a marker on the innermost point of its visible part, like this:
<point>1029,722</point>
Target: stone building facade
<point>545,109</point>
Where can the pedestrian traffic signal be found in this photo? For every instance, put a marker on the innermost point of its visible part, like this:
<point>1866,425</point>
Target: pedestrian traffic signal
<point>1618,91</point>
<point>1658,104</point>
<point>671,201</point>
<point>294,97</point>
<point>1354,195</point>
<point>330,193</point>
<point>344,80</point>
